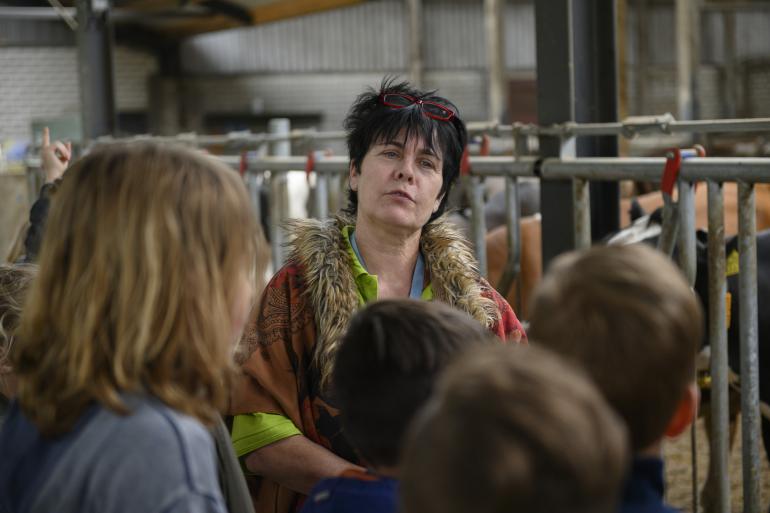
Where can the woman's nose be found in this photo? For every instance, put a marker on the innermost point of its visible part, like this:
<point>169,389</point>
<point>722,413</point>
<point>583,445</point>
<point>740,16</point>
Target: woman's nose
<point>406,171</point>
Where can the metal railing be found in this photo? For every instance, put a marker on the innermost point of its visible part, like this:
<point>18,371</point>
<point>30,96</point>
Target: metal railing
<point>715,171</point>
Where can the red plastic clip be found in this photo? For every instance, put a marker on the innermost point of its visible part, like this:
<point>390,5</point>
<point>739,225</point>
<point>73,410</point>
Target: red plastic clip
<point>465,163</point>
<point>244,164</point>
<point>309,164</point>
<point>674,164</point>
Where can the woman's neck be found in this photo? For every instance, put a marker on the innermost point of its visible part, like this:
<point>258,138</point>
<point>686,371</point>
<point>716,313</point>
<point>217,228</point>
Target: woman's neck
<point>389,255</point>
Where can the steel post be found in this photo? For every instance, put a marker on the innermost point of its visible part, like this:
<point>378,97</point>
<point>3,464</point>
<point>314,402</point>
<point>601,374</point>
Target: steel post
<point>720,441</point>
<point>278,181</point>
<point>686,235</point>
<point>750,420</point>
<point>321,193</point>
<point>97,95</point>
<point>478,224</point>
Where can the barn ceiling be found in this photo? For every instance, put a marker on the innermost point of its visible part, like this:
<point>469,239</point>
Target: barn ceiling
<point>174,19</point>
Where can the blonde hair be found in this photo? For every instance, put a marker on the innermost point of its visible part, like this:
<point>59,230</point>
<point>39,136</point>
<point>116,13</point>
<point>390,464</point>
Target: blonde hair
<point>144,247</point>
<point>626,315</point>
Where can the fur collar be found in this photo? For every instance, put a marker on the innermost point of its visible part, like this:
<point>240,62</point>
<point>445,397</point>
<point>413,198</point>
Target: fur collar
<point>319,247</point>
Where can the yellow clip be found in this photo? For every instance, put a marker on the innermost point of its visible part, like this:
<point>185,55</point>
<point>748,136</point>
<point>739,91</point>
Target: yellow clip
<point>732,263</point>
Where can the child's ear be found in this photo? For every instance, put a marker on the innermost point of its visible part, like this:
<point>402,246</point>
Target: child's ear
<point>686,411</point>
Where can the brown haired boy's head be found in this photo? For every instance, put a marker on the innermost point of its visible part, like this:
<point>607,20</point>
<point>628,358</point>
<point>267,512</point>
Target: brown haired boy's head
<point>386,366</point>
<point>514,429</point>
<point>626,314</point>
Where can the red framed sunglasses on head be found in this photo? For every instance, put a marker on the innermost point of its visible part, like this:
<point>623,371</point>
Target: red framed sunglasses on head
<point>431,109</point>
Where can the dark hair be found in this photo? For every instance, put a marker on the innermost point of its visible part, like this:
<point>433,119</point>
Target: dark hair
<point>514,429</point>
<point>369,121</point>
<point>386,366</point>
<point>626,315</point>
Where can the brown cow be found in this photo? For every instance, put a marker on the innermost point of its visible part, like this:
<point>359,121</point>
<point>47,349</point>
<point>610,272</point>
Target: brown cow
<point>531,261</point>
<point>531,253</point>
<point>653,200</point>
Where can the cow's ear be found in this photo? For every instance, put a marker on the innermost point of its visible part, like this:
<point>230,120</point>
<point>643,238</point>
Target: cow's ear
<point>731,245</point>
<point>702,236</point>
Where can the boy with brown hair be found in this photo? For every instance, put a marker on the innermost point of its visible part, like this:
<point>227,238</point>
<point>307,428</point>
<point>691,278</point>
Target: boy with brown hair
<point>384,373</point>
<point>514,429</point>
<point>626,314</point>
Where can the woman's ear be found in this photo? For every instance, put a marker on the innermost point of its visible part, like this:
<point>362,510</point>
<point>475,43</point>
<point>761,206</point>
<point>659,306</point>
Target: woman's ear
<point>353,177</point>
<point>438,202</point>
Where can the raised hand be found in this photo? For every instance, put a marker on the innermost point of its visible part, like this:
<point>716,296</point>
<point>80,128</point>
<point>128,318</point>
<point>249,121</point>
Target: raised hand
<point>54,157</point>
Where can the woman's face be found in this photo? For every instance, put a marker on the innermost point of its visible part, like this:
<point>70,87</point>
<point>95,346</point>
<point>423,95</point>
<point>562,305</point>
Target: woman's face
<point>399,183</point>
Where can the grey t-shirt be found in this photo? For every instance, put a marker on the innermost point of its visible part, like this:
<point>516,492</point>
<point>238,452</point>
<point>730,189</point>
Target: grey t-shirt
<point>155,460</point>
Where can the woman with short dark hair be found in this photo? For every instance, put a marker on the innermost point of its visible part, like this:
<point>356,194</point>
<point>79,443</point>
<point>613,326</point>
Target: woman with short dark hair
<point>405,149</point>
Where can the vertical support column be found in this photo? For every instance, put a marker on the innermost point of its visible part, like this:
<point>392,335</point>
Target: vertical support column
<point>596,101</point>
<point>278,195</point>
<point>687,56</point>
<point>479,228</point>
<point>720,445</point>
<point>747,249</point>
<point>493,25</point>
<point>415,12</point>
<point>555,104</point>
<point>730,93</point>
<point>165,93</point>
<point>642,56</point>
<point>94,40</point>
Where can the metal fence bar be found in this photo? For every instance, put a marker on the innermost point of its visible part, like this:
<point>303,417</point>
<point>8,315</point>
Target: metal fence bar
<point>664,124</point>
<point>747,249</point>
<point>604,168</point>
<point>278,196</point>
<point>581,213</point>
<point>686,234</point>
<point>594,168</point>
<point>478,224</point>
<point>720,432</point>
<point>513,240</point>
<point>321,195</point>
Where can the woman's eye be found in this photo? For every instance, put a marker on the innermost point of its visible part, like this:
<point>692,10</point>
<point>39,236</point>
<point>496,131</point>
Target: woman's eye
<point>428,163</point>
<point>390,154</point>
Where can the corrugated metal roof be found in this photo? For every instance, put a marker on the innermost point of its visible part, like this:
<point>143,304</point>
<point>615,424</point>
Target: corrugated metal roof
<point>366,37</point>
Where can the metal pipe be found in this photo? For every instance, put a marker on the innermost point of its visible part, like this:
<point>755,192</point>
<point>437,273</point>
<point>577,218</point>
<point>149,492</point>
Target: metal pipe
<point>478,224</point>
<point>604,168</point>
<point>686,236</point>
<point>629,128</point>
<point>278,199</point>
<point>720,441</point>
<point>321,195</point>
<point>594,168</point>
<point>581,217</point>
<point>254,187</point>
<point>747,249</point>
<point>512,239</point>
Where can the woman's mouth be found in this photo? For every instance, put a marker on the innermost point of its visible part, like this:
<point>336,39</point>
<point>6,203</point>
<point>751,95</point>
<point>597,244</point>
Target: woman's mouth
<point>401,194</point>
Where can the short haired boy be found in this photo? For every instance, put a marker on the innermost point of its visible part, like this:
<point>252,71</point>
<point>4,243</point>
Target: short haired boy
<point>514,429</point>
<point>626,314</point>
<point>384,373</point>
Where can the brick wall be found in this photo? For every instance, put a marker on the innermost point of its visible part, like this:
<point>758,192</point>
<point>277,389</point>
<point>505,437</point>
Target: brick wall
<point>42,82</point>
